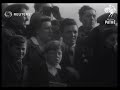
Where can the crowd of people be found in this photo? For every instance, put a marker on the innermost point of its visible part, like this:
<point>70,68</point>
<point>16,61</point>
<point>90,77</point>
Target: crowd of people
<point>58,53</point>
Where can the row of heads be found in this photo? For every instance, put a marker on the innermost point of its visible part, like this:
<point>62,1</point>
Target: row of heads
<point>47,7</point>
<point>18,40</point>
<point>16,8</point>
<point>36,21</point>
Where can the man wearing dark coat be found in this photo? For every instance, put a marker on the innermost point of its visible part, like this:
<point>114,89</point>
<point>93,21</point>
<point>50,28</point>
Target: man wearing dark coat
<point>14,71</point>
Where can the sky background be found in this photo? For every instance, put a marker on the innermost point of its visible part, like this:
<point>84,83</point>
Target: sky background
<point>70,10</point>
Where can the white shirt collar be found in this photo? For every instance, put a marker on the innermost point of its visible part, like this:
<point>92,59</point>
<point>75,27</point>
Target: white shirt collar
<point>53,69</point>
<point>34,40</point>
<point>50,66</point>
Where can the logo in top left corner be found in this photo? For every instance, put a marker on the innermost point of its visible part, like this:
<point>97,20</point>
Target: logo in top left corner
<point>8,14</point>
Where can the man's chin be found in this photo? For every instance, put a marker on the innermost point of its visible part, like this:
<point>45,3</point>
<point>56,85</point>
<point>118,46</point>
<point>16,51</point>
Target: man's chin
<point>73,43</point>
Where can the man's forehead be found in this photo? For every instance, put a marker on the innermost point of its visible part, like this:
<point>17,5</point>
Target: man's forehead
<point>90,11</point>
<point>21,45</point>
<point>71,27</point>
<point>46,23</point>
<point>23,10</point>
<point>55,50</point>
<point>46,5</point>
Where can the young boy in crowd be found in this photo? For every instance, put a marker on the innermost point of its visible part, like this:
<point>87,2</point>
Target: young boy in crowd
<point>53,55</point>
<point>13,70</point>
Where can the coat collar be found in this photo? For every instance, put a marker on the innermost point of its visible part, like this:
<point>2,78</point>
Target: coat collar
<point>50,66</point>
<point>38,45</point>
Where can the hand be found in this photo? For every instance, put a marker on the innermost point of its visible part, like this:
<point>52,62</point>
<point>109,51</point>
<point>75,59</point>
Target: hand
<point>56,12</point>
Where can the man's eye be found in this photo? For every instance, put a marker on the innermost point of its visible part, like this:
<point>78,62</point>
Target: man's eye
<point>88,15</point>
<point>94,16</point>
<point>23,48</point>
<point>59,53</point>
<point>75,32</point>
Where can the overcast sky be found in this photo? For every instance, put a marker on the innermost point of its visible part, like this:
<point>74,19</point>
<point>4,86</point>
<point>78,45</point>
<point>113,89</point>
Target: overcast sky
<point>70,10</point>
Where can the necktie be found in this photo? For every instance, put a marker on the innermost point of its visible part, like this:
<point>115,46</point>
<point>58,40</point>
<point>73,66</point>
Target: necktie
<point>19,73</point>
<point>71,55</point>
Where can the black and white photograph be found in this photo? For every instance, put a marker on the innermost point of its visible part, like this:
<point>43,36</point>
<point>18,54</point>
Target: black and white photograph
<point>59,45</point>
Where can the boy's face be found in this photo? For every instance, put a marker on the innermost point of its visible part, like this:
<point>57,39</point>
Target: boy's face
<point>70,35</point>
<point>18,52</point>
<point>89,18</point>
<point>45,31</point>
<point>54,57</point>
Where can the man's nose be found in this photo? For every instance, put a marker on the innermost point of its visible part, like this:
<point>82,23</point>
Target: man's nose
<point>50,31</point>
<point>26,18</point>
<point>21,51</point>
<point>92,18</point>
<point>57,55</point>
<point>116,43</point>
<point>73,34</point>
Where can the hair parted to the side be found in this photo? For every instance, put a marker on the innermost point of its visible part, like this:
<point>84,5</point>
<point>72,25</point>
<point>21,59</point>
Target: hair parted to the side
<point>17,40</point>
<point>36,21</point>
<point>83,9</point>
<point>37,6</point>
<point>54,45</point>
<point>66,22</point>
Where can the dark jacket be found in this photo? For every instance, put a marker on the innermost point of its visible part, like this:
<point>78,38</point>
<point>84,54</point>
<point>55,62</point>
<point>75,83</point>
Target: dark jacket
<point>65,58</point>
<point>59,80</point>
<point>37,69</point>
<point>69,66</point>
<point>13,74</point>
<point>99,68</point>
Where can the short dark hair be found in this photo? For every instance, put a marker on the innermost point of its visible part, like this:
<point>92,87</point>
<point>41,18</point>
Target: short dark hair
<point>67,22</point>
<point>17,40</point>
<point>36,21</point>
<point>55,22</point>
<point>83,9</point>
<point>54,45</point>
<point>37,6</point>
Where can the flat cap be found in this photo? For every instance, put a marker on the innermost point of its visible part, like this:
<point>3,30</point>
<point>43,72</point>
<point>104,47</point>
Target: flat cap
<point>101,19</point>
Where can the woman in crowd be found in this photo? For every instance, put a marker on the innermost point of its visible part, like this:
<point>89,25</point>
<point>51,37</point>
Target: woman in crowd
<point>40,27</point>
